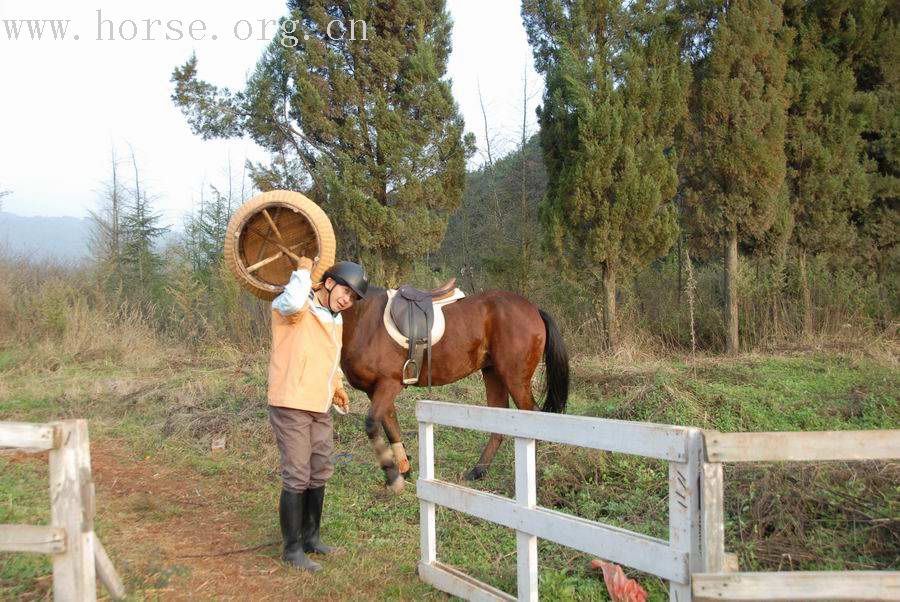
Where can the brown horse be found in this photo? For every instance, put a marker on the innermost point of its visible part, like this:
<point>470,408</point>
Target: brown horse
<point>499,332</point>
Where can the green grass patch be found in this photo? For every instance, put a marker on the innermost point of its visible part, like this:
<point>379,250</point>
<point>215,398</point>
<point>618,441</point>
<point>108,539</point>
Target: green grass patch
<point>24,500</point>
<point>825,516</point>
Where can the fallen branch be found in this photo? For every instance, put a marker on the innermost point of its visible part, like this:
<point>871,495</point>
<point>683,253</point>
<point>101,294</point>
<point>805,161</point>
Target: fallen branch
<point>230,552</point>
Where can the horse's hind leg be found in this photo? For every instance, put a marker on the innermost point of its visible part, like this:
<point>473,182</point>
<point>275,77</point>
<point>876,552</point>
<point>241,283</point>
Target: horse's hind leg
<point>499,388</point>
<point>382,402</point>
<point>497,397</point>
<point>517,361</point>
<point>520,390</point>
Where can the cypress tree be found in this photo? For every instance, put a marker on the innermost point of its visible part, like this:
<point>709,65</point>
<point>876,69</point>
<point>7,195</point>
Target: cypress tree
<point>734,144</point>
<point>615,89</point>
<point>827,177</point>
<point>871,36</point>
<point>372,131</point>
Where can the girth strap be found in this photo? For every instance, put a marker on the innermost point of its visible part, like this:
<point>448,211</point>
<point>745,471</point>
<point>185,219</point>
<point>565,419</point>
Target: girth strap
<point>417,348</point>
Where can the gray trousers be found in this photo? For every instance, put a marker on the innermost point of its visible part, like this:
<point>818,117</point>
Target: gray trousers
<point>305,442</point>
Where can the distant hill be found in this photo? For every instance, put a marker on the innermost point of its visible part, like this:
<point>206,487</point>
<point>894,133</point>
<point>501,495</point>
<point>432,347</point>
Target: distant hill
<point>58,239</point>
<point>44,238</point>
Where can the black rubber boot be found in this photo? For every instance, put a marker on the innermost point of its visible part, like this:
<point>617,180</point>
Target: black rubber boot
<point>312,519</point>
<point>291,512</point>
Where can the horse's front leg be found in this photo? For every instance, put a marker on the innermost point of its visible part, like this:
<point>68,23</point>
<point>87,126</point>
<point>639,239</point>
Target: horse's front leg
<point>395,438</point>
<point>382,399</point>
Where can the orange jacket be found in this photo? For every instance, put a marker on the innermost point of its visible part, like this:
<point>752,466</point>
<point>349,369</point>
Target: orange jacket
<point>304,366</point>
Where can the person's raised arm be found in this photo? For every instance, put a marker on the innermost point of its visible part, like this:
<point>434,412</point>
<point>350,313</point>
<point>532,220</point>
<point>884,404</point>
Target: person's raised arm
<point>295,296</point>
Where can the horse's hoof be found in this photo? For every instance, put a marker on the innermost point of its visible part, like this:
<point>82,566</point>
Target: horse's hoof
<point>476,474</point>
<point>397,485</point>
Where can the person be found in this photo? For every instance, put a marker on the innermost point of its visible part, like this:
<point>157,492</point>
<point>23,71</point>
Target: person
<point>304,381</point>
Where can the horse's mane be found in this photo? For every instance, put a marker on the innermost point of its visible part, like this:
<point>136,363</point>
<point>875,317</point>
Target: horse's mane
<point>362,320</point>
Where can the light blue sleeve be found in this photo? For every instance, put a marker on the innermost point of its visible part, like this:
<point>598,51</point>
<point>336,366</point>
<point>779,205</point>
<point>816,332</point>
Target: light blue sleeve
<point>295,294</point>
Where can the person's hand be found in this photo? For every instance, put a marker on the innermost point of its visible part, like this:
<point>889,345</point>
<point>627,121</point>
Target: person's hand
<point>341,401</point>
<point>304,263</point>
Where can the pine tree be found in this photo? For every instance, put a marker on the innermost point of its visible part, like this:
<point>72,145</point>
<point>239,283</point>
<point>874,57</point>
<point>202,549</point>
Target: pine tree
<point>371,132</point>
<point>205,233</point>
<point>141,262</point>
<point>615,90</point>
<point>733,147</point>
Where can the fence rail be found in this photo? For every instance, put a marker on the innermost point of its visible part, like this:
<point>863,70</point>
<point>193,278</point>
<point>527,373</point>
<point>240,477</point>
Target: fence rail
<point>77,554</point>
<point>659,441</point>
<point>29,437</point>
<point>802,447</point>
<point>798,585</point>
<point>693,559</point>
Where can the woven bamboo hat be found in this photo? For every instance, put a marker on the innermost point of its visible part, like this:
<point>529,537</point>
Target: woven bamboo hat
<point>267,232</point>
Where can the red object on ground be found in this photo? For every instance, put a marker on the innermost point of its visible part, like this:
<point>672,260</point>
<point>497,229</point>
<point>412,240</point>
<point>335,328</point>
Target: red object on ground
<point>620,587</point>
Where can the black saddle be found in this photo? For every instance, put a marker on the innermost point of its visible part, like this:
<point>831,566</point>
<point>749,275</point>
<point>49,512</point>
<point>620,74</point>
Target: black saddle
<point>412,312</point>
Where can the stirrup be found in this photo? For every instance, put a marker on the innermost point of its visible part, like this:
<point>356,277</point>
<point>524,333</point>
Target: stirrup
<point>410,380</point>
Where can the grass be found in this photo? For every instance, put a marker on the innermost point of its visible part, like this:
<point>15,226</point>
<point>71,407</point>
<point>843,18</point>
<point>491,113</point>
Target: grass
<point>23,500</point>
<point>831,516</point>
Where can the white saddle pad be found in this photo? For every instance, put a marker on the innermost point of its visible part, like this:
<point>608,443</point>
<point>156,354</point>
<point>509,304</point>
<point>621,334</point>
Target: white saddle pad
<point>437,329</point>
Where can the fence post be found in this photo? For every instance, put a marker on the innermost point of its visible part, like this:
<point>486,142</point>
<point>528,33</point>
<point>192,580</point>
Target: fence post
<point>427,530</point>
<point>72,508</point>
<point>712,518</point>
<point>526,544</point>
<point>684,512</point>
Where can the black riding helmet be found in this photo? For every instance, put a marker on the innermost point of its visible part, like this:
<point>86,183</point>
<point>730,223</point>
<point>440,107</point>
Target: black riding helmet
<point>351,275</point>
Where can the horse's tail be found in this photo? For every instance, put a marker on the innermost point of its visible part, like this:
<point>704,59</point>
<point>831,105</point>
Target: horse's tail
<point>556,366</point>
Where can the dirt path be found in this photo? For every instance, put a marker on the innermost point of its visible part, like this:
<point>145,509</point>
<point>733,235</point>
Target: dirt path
<point>166,535</point>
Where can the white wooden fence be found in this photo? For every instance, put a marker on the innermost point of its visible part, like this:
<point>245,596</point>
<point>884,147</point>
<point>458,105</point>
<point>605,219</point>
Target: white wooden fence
<point>693,558</point>
<point>78,555</point>
<point>673,560</point>
<point>714,583</point>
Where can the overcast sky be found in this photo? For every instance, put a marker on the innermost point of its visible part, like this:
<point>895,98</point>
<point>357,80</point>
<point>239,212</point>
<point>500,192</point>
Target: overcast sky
<point>65,104</point>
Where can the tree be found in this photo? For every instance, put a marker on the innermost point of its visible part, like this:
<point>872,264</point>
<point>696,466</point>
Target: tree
<point>490,238</point>
<point>869,35</point>
<point>733,147</point>
<point>526,214</point>
<point>141,263</point>
<point>205,232</point>
<point>205,228</point>
<point>485,251</point>
<point>355,111</point>
<point>106,227</point>
<point>827,179</point>
<point>615,90</point>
